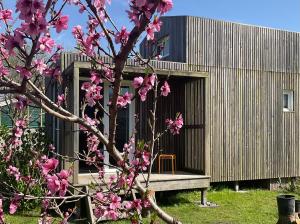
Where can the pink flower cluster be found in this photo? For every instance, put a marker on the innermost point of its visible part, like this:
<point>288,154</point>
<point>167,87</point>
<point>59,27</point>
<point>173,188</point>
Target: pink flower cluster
<point>58,182</point>
<point>60,99</point>
<point>5,15</point>
<point>142,160</point>
<point>49,165</point>
<point>46,43</point>
<point>165,89</point>
<point>122,101</point>
<point>2,219</point>
<point>86,44</point>
<point>175,125</point>
<point>138,204</point>
<point>122,36</point>
<point>139,8</point>
<point>61,23</point>
<point>17,131</point>
<point>24,72</point>
<point>144,85</point>
<point>14,204</point>
<point>152,28</point>
<point>107,205</point>
<point>14,171</point>
<point>92,93</point>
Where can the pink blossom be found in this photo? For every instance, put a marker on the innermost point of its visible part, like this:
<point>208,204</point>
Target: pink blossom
<point>21,123</point>
<point>92,143</point>
<point>14,171</point>
<point>133,16</point>
<point>122,36</point>
<point>5,15</point>
<point>109,74</point>
<point>51,147</point>
<point>13,207</point>
<point>93,93</point>
<point>99,211</point>
<point>90,122</point>
<point>21,103</point>
<point>140,3</point>
<point>112,214</point>
<point>60,99</point>
<point>150,80</point>
<point>3,70</point>
<point>18,132</point>
<point>49,165</point>
<point>36,26</point>
<point>2,220</point>
<point>64,174</point>
<point>164,6</point>
<point>100,197</point>
<point>122,101</point>
<point>165,89</point>
<point>77,32</point>
<point>156,24</point>
<point>95,77</point>
<point>115,202</point>
<point>150,32</point>
<point>176,125</point>
<point>100,4</point>
<point>24,72</point>
<point>62,23</point>
<point>17,40</point>
<point>40,65</point>
<point>28,8</point>
<point>53,183</point>
<point>143,93</point>
<point>46,44</point>
<point>14,204</point>
<point>137,82</point>
<point>63,187</point>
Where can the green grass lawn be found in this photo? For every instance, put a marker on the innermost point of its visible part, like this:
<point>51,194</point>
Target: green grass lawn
<point>255,206</point>
<point>251,207</point>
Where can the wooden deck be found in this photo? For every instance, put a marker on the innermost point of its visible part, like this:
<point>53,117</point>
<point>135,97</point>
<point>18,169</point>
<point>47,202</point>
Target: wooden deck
<point>162,182</point>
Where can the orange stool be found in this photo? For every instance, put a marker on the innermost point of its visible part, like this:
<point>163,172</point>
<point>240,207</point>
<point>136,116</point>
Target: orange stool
<point>163,157</point>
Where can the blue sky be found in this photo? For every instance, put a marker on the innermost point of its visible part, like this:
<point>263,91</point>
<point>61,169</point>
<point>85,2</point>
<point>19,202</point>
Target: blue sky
<point>281,14</point>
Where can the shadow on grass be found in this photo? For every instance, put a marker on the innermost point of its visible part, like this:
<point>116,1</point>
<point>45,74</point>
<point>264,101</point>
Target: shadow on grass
<point>170,198</point>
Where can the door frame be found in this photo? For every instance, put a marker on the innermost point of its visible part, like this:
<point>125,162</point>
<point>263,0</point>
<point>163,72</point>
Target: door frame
<point>132,111</point>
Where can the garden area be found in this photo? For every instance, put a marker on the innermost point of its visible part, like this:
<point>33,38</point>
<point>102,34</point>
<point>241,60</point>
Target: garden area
<point>253,206</point>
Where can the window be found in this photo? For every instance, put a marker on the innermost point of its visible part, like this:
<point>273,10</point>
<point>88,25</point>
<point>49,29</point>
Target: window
<point>288,100</point>
<point>163,47</point>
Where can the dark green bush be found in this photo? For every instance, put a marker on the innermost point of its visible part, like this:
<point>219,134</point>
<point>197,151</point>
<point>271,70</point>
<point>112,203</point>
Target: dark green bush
<point>34,145</point>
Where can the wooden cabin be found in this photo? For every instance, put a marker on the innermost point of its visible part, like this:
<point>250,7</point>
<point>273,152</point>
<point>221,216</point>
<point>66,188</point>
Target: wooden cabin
<point>237,86</point>
<point>187,96</point>
<point>252,93</point>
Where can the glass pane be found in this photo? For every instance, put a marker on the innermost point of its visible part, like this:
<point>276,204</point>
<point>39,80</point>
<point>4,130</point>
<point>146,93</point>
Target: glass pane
<point>35,119</point>
<point>5,118</point>
<point>90,112</point>
<point>285,101</point>
<point>122,130</point>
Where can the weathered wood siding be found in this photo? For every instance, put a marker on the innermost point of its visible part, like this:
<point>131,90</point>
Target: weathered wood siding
<point>194,125</point>
<point>249,135</point>
<point>177,35</point>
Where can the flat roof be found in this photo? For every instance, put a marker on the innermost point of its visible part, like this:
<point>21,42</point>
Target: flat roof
<point>75,60</point>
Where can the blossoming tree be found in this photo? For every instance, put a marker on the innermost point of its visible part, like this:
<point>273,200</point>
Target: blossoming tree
<point>30,42</point>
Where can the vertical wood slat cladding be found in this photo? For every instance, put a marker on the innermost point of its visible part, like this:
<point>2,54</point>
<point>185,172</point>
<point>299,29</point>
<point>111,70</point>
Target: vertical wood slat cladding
<point>249,135</point>
<point>194,119</point>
